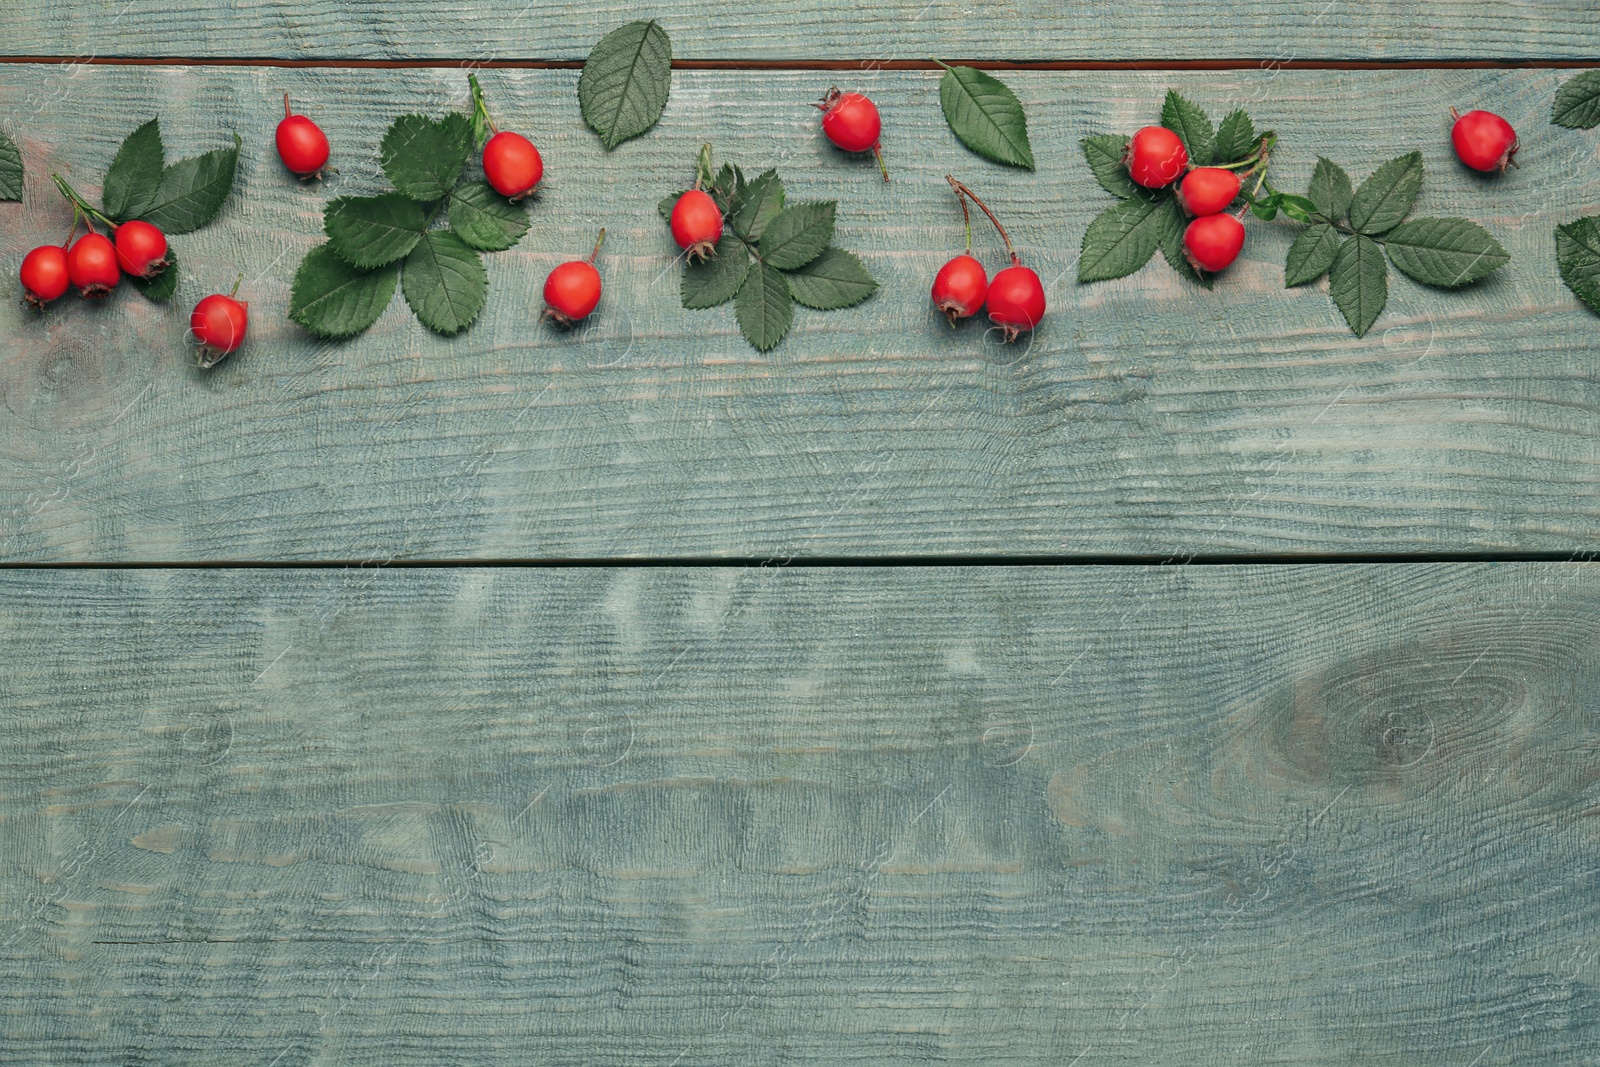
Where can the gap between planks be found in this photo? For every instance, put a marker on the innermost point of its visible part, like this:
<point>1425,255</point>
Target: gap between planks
<point>533,63</point>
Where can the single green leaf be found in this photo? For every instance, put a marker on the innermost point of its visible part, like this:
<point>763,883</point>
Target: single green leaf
<point>764,308</point>
<point>625,81</point>
<point>1171,222</point>
<point>1330,189</point>
<point>985,116</point>
<point>726,185</point>
<point>422,157</point>
<point>332,299</point>
<point>1383,199</point>
<point>369,231</point>
<point>835,279</point>
<point>1188,121</point>
<point>667,203</point>
<point>1577,103</point>
<point>193,190</point>
<point>1311,255</point>
<point>1104,153</point>
<point>10,169</point>
<point>1578,257</point>
<point>161,287</point>
<point>797,234</point>
<point>715,280</point>
<point>754,204</point>
<point>135,174</point>
<point>445,282</point>
<point>1236,138</point>
<point>1298,208</point>
<point>1120,240</point>
<point>1267,207</point>
<point>1359,282</point>
<point>1446,253</point>
<point>485,219</point>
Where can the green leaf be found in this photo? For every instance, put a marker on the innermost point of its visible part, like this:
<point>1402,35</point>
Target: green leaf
<point>479,121</point>
<point>135,174</point>
<point>10,169</point>
<point>986,116</point>
<point>192,191</point>
<point>1330,189</point>
<point>1298,208</point>
<point>1185,119</point>
<point>332,299</point>
<point>764,308</point>
<point>444,282</point>
<point>1383,199</point>
<point>835,279</point>
<point>625,81</point>
<point>369,231</point>
<point>725,186</point>
<point>1267,207</point>
<point>1172,222</point>
<point>161,287</point>
<point>1577,103</point>
<point>1578,257</point>
<point>1236,138</point>
<point>716,280</point>
<point>667,203</point>
<point>485,219</point>
<point>1359,282</point>
<point>797,234</point>
<point>1446,253</point>
<point>1104,153</point>
<point>423,158</point>
<point>754,204</point>
<point>1120,241</point>
<point>1311,255</point>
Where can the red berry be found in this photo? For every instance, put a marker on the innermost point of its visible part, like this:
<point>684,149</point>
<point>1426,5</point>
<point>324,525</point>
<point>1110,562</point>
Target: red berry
<point>573,289</point>
<point>141,249</point>
<point>1214,241</point>
<point>1484,141</point>
<point>218,323</point>
<point>1208,190</point>
<point>44,274</point>
<point>1016,300</point>
<point>1155,157</point>
<point>302,145</point>
<point>851,122</point>
<point>959,288</point>
<point>92,265</point>
<point>512,165</point>
<point>697,223</point>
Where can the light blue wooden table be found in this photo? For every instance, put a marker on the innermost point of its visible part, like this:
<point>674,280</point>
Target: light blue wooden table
<point>1194,684</point>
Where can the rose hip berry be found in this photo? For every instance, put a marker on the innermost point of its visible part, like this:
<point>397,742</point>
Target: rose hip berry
<point>44,275</point>
<point>573,289</point>
<point>1213,242</point>
<point>141,249</point>
<point>302,145</point>
<point>92,265</point>
<point>1155,157</point>
<point>1015,295</point>
<point>512,165</point>
<point>1208,190</point>
<point>960,287</point>
<point>1484,141</point>
<point>218,323</point>
<point>697,223</point>
<point>851,122</point>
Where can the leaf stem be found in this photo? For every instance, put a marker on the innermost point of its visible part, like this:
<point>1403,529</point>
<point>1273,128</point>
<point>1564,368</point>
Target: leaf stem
<point>80,204</point>
<point>962,190</point>
<point>598,241</point>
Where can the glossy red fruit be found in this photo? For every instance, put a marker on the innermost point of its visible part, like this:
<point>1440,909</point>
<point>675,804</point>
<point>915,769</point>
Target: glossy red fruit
<point>1208,190</point>
<point>92,265</point>
<point>302,145</point>
<point>573,289</point>
<point>219,323</point>
<point>141,249</point>
<point>44,275</point>
<point>1155,157</point>
<point>697,223</point>
<point>1213,242</point>
<point>1016,300</point>
<point>512,165</point>
<point>851,122</point>
<point>1484,141</point>
<point>959,288</point>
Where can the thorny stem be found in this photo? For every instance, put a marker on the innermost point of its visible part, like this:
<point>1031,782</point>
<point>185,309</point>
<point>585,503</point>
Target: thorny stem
<point>598,241</point>
<point>1016,260</point>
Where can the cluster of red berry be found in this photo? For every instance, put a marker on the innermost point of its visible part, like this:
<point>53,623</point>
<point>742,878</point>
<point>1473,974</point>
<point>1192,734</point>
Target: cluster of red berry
<point>961,288</point>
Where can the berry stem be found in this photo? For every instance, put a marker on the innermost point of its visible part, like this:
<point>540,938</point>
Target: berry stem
<point>966,216</point>
<point>877,152</point>
<point>236,283</point>
<point>702,167</point>
<point>598,241</point>
<point>480,109</point>
<point>1016,260</point>
<point>80,204</point>
<point>286,112</point>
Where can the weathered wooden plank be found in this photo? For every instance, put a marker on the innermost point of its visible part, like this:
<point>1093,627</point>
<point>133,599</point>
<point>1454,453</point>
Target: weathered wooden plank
<point>1297,815</point>
<point>1146,416</point>
<point>830,29</point>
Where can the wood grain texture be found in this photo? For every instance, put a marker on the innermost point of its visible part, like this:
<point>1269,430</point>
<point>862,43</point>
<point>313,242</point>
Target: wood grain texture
<point>1146,416</point>
<point>893,29</point>
<point>1213,816</point>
